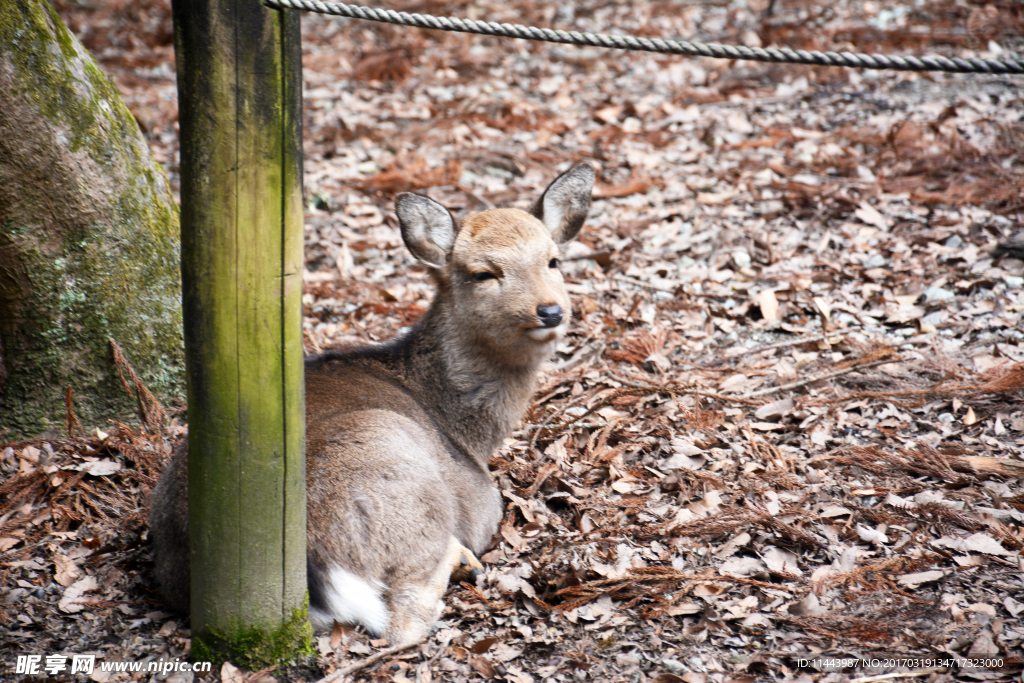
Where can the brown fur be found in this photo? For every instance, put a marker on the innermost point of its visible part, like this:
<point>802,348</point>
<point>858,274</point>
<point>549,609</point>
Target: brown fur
<point>398,436</point>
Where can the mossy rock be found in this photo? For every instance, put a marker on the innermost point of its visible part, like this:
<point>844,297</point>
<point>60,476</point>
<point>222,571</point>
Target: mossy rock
<point>89,236</point>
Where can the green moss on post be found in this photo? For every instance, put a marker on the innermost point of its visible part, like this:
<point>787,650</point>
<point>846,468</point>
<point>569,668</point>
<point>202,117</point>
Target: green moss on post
<point>239,95</point>
<point>255,648</point>
<point>89,237</point>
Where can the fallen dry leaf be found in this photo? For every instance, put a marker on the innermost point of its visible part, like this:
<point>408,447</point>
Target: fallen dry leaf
<point>73,600</point>
<point>768,304</point>
<point>229,673</point>
<point>67,571</point>
<point>871,216</point>
<point>975,543</point>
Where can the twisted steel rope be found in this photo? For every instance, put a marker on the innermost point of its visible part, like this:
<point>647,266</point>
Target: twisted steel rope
<point>660,45</point>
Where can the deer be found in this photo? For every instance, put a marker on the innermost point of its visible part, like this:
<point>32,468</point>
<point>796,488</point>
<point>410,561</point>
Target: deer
<point>399,434</point>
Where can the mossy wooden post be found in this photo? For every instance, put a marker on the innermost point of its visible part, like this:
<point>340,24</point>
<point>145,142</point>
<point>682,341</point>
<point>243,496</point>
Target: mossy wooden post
<point>239,94</point>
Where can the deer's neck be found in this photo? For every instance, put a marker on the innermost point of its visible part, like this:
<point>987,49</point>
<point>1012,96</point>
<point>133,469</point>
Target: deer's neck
<point>476,394</point>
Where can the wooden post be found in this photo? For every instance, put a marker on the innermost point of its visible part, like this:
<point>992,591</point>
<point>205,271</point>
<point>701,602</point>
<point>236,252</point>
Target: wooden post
<point>240,112</point>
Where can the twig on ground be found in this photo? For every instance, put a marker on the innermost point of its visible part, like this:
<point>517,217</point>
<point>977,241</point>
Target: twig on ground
<point>818,378</point>
<point>1001,466</point>
<point>641,283</point>
<point>256,676</point>
<point>677,391</point>
<point>771,347</point>
<point>552,416</point>
<point>363,663</point>
<point>653,388</point>
<point>1011,381</point>
<point>732,399</point>
<point>425,666</point>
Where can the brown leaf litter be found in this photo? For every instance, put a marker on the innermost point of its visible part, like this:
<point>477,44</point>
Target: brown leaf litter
<point>787,420</point>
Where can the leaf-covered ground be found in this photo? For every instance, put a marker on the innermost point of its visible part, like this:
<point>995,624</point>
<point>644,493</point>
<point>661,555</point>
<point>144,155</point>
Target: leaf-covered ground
<point>787,423</point>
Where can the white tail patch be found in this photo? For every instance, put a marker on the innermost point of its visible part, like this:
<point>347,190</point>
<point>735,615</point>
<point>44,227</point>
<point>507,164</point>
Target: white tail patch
<point>349,599</point>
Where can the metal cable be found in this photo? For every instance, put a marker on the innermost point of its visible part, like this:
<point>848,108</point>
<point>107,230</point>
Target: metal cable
<point>660,45</point>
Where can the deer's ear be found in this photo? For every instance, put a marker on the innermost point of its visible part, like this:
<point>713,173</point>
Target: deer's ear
<point>428,229</point>
<point>563,206</point>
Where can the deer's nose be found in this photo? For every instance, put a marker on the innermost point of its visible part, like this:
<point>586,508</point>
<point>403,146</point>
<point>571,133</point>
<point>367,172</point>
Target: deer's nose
<point>550,315</point>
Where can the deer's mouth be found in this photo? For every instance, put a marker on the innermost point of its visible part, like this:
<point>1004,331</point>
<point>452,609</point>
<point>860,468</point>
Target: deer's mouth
<point>544,333</point>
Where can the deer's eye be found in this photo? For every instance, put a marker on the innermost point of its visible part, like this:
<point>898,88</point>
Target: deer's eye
<point>554,263</point>
<point>483,276</point>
